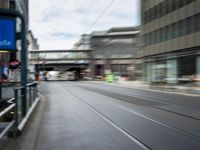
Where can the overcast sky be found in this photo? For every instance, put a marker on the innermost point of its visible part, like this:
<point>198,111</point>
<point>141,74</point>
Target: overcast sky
<point>58,24</point>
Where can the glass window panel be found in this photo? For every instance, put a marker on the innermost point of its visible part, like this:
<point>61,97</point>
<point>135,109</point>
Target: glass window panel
<point>188,25</point>
<point>174,30</point>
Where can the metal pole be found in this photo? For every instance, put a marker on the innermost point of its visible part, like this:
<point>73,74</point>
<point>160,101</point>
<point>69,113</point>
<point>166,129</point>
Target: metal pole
<point>0,92</point>
<point>16,109</point>
<point>23,66</point>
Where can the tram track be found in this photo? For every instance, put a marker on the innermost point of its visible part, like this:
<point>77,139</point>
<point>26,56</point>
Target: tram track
<point>114,95</point>
<point>114,124</point>
<point>122,97</point>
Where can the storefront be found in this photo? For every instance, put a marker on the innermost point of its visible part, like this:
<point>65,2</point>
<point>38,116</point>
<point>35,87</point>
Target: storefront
<point>187,69</point>
<point>172,71</point>
<point>177,69</point>
<point>156,71</point>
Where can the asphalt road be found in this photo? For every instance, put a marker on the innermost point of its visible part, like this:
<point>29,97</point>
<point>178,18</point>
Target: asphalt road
<point>91,116</point>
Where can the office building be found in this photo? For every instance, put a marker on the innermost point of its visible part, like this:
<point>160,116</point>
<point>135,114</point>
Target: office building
<point>171,40</point>
<point>113,51</point>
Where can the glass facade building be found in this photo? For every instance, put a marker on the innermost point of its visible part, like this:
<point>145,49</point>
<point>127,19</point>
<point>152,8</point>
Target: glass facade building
<point>171,34</point>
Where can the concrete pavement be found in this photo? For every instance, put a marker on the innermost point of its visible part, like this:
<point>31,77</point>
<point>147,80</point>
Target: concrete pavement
<point>91,116</point>
<point>62,122</point>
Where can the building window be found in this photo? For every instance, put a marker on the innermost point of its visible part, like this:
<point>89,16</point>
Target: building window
<point>180,28</point>
<point>164,8</point>
<point>168,33</point>
<point>184,27</point>
<point>187,66</point>
<point>188,28</point>
<point>197,23</point>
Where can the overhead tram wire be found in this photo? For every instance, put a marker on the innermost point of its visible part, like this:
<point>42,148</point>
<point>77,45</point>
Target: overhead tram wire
<point>99,17</point>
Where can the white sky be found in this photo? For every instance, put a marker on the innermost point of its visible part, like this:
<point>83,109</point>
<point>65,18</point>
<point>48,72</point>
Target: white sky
<point>58,24</point>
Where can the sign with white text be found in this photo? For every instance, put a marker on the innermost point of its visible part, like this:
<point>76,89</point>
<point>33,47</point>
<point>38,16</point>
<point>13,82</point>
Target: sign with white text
<point>7,34</point>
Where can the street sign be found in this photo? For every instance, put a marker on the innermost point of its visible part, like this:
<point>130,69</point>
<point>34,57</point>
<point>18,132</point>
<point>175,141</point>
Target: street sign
<point>7,34</point>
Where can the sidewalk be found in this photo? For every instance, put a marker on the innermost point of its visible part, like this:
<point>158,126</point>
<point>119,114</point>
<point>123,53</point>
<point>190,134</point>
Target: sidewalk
<point>177,89</point>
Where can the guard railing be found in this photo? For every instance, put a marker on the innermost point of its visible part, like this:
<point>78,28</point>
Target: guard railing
<point>19,108</point>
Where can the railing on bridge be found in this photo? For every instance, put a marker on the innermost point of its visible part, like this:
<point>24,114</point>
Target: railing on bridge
<point>60,55</point>
<point>14,113</point>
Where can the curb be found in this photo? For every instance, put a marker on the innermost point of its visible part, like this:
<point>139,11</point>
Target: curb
<point>162,89</point>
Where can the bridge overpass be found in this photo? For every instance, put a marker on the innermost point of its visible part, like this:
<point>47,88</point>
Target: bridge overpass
<point>60,60</point>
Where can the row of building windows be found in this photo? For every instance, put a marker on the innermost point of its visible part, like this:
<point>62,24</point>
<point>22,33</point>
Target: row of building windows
<point>163,9</point>
<point>175,30</point>
<point>113,48</point>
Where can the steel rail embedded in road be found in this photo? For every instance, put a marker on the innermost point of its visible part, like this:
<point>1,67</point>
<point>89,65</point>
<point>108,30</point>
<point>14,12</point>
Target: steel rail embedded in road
<point>156,121</point>
<point>119,128</point>
<point>143,98</point>
<point>161,123</point>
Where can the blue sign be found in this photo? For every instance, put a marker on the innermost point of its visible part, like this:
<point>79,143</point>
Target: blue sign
<point>7,34</point>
